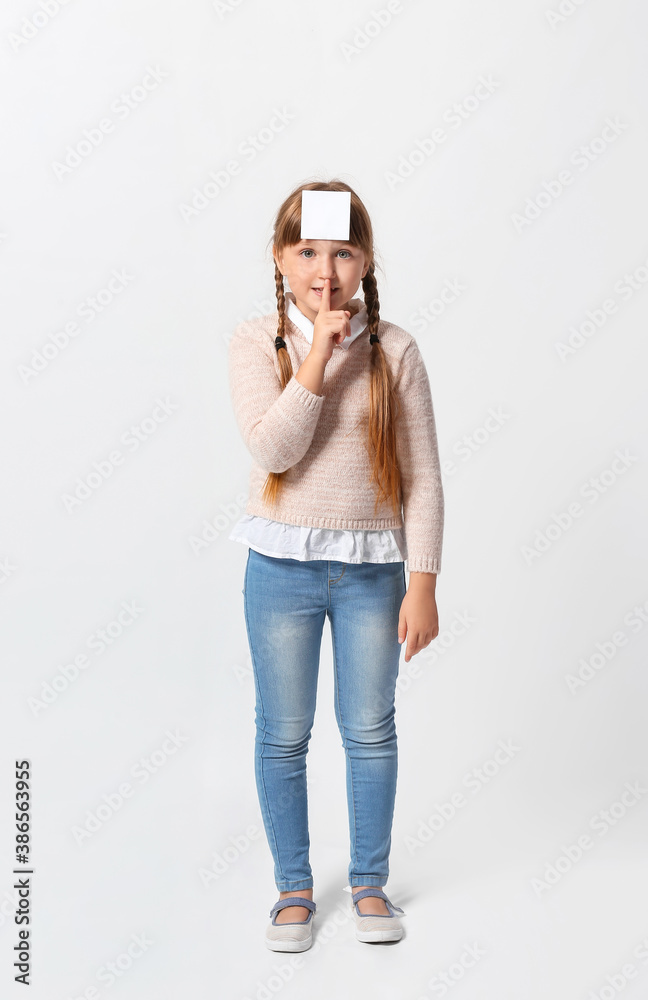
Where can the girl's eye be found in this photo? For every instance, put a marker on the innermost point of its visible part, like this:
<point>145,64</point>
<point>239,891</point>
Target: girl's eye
<point>311,251</point>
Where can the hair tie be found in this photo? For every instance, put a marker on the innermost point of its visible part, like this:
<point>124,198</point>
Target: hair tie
<point>279,342</point>
<point>373,339</point>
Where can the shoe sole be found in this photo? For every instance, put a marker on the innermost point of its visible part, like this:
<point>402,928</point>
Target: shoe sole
<point>289,945</point>
<point>389,934</point>
<point>372,936</point>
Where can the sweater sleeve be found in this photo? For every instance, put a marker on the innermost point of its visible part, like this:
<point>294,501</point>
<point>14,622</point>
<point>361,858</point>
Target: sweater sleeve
<point>418,462</point>
<point>277,425</point>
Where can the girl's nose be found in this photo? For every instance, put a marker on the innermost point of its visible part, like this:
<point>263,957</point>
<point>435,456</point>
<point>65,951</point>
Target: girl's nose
<point>327,267</point>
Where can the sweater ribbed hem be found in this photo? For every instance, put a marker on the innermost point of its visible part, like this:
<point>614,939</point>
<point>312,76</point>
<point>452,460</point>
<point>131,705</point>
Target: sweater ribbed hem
<point>423,564</point>
<point>320,521</point>
<point>309,399</point>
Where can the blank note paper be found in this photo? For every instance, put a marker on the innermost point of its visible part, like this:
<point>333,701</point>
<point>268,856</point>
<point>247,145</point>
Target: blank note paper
<point>325,215</point>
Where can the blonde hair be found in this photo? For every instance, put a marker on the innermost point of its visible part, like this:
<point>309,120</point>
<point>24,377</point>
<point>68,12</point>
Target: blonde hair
<point>383,401</point>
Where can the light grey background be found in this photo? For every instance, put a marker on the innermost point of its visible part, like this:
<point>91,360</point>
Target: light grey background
<point>357,96</point>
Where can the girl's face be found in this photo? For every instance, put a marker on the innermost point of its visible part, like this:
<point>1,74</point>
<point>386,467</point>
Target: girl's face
<point>309,262</point>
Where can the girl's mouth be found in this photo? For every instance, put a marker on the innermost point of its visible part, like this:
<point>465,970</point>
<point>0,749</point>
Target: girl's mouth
<point>318,291</point>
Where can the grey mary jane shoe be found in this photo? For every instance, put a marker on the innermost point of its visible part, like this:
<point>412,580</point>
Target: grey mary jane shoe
<point>297,936</point>
<point>376,926</point>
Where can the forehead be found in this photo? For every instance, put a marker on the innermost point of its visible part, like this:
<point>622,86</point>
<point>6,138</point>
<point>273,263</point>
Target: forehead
<point>324,243</point>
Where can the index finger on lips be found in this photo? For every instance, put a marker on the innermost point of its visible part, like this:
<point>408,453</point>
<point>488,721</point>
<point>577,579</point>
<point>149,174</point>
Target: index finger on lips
<point>325,304</point>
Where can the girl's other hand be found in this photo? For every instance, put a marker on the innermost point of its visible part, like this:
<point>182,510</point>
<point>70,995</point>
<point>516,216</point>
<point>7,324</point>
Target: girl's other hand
<point>418,620</point>
<point>330,327</point>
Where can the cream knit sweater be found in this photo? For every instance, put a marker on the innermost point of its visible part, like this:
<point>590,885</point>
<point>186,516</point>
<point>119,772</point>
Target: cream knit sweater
<point>319,442</point>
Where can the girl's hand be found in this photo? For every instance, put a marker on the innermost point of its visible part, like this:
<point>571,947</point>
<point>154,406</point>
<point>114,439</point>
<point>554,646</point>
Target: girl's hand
<point>418,619</point>
<point>330,327</point>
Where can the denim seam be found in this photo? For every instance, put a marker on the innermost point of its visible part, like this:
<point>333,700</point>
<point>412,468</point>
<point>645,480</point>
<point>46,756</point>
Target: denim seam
<point>265,791</point>
<point>338,578</point>
<point>346,751</point>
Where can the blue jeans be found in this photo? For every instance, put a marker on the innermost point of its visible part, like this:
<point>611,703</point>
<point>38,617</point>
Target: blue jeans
<point>286,601</point>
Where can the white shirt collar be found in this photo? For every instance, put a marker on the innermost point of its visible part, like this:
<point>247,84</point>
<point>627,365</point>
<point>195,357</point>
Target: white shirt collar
<point>358,322</point>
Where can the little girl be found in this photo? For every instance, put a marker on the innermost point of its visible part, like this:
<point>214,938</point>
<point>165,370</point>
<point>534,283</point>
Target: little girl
<point>334,405</point>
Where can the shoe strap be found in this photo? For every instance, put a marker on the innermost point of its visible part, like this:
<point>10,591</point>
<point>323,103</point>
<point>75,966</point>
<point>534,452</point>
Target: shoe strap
<point>293,901</point>
<point>380,894</point>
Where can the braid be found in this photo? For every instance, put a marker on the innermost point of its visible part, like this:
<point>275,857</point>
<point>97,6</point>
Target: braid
<point>281,302</point>
<point>383,405</point>
<point>370,289</point>
<point>285,364</point>
<point>271,486</point>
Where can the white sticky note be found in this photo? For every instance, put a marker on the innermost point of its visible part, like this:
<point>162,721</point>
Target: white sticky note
<point>325,215</point>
